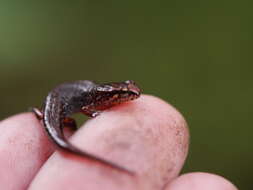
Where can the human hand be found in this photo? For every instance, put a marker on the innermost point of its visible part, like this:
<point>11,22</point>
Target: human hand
<point>147,136</point>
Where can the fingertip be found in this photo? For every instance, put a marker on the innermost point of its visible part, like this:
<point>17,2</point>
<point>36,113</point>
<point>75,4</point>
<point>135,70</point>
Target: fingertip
<point>200,181</point>
<point>23,149</point>
<point>142,126</point>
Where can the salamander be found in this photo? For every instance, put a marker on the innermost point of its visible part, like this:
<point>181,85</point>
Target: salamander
<point>86,97</point>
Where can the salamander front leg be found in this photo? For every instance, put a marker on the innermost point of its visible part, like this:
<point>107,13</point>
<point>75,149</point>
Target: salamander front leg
<point>90,112</point>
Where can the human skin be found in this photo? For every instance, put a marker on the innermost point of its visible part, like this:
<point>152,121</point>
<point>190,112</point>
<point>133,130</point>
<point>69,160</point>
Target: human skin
<point>147,136</point>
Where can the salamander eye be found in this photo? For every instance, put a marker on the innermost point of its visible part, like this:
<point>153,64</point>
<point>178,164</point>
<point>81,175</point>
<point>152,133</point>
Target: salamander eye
<point>129,82</point>
<point>125,89</point>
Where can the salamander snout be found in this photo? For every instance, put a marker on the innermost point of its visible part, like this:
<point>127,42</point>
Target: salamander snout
<point>132,89</point>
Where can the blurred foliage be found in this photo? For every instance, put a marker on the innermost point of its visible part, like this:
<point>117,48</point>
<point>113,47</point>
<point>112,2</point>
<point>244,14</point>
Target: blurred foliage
<point>197,55</point>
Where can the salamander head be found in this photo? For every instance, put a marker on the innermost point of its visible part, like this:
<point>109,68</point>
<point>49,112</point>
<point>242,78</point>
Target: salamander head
<point>109,94</point>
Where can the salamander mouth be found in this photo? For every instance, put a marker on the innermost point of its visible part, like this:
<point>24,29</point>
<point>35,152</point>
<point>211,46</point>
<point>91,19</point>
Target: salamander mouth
<point>115,99</point>
<point>126,97</point>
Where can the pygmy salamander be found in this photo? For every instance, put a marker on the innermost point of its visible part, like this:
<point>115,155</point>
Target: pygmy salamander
<point>86,97</point>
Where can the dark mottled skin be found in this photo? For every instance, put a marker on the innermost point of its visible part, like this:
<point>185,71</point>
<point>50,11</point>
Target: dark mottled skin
<point>86,97</point>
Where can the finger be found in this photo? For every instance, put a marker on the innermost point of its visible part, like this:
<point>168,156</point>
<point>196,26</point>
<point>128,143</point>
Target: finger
<point>146,136</point>
<point>201,181</point>
<point>23,149</point>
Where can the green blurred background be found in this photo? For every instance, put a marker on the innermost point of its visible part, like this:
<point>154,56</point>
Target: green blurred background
<point>197,55</point>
